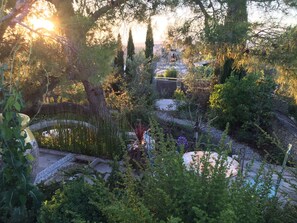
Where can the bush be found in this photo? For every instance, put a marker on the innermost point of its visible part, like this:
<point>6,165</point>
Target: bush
<point>203,71</point>
<point>171,73</point>
<point>243,103</point>
<point>76,201</point>
<point>171,191</point>
<point>20,199</point>
<point>179,94</point>
<point>198,90</point>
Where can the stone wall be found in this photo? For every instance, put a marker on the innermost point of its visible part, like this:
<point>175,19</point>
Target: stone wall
<point>165,87</point>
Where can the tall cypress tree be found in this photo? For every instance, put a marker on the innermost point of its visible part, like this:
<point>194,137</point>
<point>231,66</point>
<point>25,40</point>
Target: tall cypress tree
<point>149,42</point>
<point>119,59</point>
<point>130,46</point>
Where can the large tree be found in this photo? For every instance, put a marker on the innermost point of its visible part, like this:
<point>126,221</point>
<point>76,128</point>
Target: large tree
<point>84,34</point>
<point>130,46</point>
<point>149,41</point>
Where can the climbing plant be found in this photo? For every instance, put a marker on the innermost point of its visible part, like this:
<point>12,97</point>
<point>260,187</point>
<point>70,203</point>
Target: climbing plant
<point>20,199</point>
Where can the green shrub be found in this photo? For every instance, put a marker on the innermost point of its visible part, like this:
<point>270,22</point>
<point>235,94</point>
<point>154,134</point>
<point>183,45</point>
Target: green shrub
<point>76,201</point>
<point>171,73</point>
<point>243,103</point>
<point>179,94</point>
<point>204,72</point>
<point>160,75</point>
<point>169,190</point>
<point>20,199</point>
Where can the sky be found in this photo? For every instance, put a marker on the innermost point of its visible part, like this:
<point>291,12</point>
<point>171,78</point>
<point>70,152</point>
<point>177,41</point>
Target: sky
<point>161,23</point>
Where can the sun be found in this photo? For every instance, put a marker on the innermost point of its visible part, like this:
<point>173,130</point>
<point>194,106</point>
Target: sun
<point>40,23</point>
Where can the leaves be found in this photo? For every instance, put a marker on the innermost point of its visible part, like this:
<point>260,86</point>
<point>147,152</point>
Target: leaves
<point>15,186</point>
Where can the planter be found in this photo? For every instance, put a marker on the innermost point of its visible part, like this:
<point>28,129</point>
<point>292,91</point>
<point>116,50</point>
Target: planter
<point>34,151</point>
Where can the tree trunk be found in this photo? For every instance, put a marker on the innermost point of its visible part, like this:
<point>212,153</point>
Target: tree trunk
<point>97,103</point>
<point>236,21</point>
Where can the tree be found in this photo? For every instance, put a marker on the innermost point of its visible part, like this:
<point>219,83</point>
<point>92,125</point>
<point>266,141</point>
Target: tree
<point>119,59</point>
<point>130,46</point>
<point>87,59</point>
<point>282,53</point>
<point>149,42</point>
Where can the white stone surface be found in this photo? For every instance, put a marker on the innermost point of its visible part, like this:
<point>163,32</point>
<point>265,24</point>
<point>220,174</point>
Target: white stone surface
<point>166,105</point>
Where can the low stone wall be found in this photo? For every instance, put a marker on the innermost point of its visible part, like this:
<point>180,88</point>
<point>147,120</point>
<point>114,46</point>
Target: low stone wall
<point>166,87</point>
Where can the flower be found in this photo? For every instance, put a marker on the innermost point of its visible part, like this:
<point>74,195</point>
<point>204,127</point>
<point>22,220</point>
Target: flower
<point>182,142</point>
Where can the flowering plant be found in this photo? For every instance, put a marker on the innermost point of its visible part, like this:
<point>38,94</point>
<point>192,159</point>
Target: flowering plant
<point>139,131</point>
<point>182,142</point>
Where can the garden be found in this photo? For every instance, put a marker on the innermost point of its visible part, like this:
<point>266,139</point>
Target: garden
<point>94,128</point>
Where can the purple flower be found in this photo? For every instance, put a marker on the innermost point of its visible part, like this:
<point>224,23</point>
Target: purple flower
<point>182,142</point>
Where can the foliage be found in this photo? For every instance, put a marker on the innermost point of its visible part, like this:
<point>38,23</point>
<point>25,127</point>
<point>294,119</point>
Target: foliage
<point>132,99</point>
<point>130,58</point>
<point>171,73</point>
<point>149,41</point>
<point>116,95</point>
<point>101,139</point>
<point>88,199</point>
<point>198,90</point>
<point>182,142</point>
<point>168,192</point>
<point>139,130</point>
<point>203,71</point>
<point>119,59</point>
<point>130,46</point>
<point>282,54</point>
<point>140,89</point>
<point>243,103</point>
<point>81,47</point>
<point>172,191</point>
<point>77,201</point>
<point>20,199</point>
<point>179,94</point>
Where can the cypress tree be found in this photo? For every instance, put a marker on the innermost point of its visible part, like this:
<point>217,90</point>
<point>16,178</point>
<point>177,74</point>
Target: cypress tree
<point>149,42</point>
<point>119,59</point>
<point>130,46</point>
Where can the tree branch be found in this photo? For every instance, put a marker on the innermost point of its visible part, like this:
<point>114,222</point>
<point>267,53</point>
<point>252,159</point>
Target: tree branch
<point>21,9</point>
<point>203,9</point>
<point>97,14</point>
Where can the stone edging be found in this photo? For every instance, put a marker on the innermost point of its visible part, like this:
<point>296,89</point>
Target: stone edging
<point>54,168</point>
<point>51,123</point>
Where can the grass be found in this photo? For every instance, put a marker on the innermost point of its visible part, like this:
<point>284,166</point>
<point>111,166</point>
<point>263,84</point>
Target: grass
<point>103,141</point>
